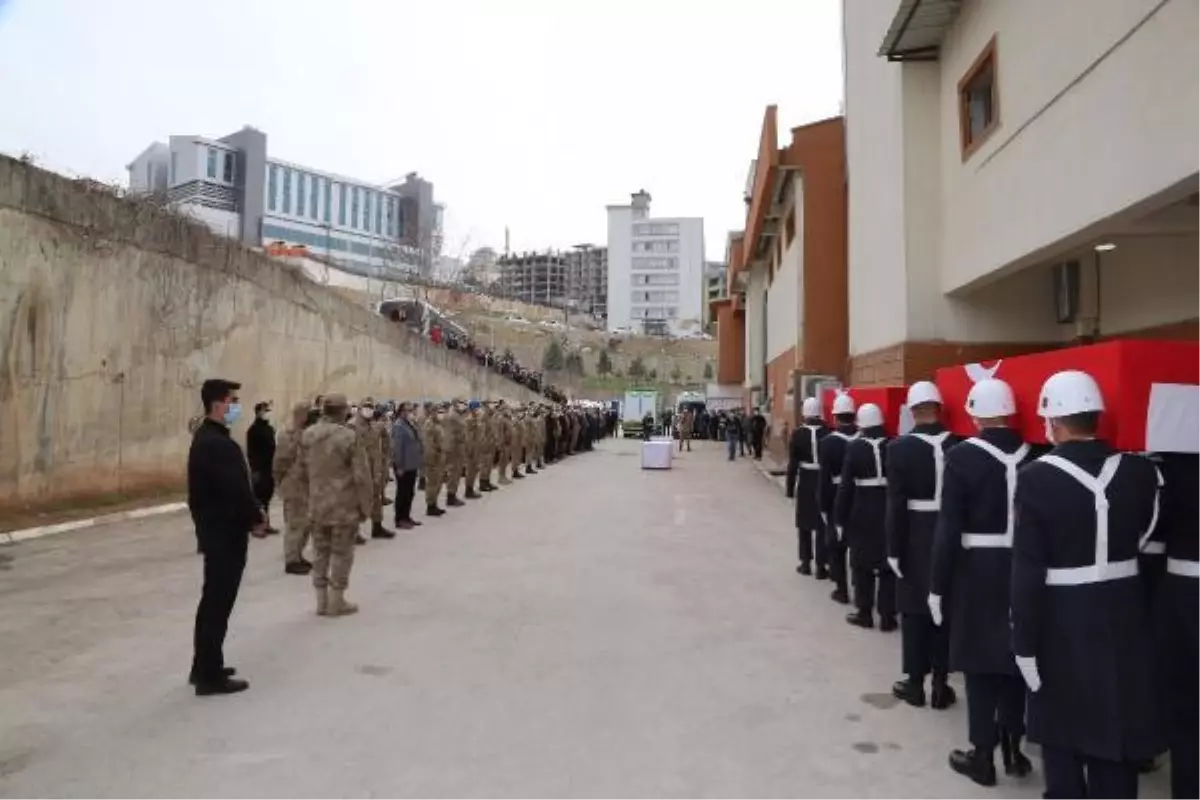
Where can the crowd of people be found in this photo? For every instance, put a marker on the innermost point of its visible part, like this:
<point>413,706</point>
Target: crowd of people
<point>1061,582</point>
<point>331,466</point>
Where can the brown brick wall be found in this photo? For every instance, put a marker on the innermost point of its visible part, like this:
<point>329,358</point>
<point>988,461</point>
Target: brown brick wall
<point>731,345</point>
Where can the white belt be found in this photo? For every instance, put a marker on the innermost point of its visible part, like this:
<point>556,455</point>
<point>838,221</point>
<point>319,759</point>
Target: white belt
<point>981,540</point>
<point>806,465</point>
<point>1093,573</point>
<point>925,505</point>
<point>870,481</point>
<point>1154,548</point>
<point>1179,566</point>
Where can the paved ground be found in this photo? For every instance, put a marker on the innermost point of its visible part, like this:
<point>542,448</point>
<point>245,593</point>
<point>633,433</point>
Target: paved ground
<point>593,631</point>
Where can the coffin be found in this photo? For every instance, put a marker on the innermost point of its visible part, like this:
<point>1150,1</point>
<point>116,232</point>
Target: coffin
<point>1150,391</point>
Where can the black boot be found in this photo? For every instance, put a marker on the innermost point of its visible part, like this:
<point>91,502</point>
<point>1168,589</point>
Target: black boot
<point>822,572</point>
<point>300,567</point>
<point>861,619</point>
<point>1016,763</point>
<point>976,765</point>
<point>517,473</point>
<point>434,511</point>
<point>486,486</point>
<point>840,595</point>
<point>887,624</point>
<point>454,502</point>
<point>472,494</point>
<point>380,532</point>
<point>941,694</point>
<point>910,691</point>
<point>805,568</point>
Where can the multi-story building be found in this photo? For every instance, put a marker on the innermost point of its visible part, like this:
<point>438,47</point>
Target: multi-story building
<point>1024,175</point>
<point>716,287</point>
<point>234,187</point>
<point>655,270</point>
<point>534,277</point>
<point>587,278</point>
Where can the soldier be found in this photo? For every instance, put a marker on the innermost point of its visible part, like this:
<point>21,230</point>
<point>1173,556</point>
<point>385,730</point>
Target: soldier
<point>831,452</point>
<point>487,447</point>
<point>434,434</point>
<point>503,442</point>
<point>802,484</point>
<point>861,508</point>
<point>294,490</point>
<point>972,565</point>
<point>517,443</point>
<point>456,450</point>
<point>529,440</point>
<point>915,464</point>
<point>474,448</point>
<point>341,492</point>
<point>369,433</point>
<point>1081,626</point>
<point>539,436</point>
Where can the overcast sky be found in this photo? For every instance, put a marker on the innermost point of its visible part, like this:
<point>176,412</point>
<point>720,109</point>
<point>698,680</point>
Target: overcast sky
<point>531,115</point>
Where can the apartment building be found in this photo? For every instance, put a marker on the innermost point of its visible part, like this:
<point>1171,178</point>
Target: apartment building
<point>1023,175</point>
<point>534,277</point>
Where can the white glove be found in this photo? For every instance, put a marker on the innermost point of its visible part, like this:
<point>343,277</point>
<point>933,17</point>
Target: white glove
<point>894,563</point>
<point>935,608</point>
<point>839,532</point>
<point>824,518</point>
<point>1029,671</point>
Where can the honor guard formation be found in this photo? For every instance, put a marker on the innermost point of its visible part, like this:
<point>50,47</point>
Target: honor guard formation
<point>1060,580</point>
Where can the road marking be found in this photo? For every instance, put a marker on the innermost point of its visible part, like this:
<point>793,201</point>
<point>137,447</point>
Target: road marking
<point>79,524</point>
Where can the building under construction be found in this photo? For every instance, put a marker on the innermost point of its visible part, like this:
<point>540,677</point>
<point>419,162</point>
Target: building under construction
<point>577,279</point>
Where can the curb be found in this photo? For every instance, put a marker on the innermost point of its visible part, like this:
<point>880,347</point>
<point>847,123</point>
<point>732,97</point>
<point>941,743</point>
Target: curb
<point>26,534</point>
<point>763,469</point>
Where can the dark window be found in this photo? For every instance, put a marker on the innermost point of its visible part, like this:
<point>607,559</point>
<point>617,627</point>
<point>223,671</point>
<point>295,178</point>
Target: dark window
<point>229,169</point>
<point>979,101</point>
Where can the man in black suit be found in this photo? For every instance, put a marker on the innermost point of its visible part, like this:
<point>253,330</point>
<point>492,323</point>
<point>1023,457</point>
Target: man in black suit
<point>225,512</point>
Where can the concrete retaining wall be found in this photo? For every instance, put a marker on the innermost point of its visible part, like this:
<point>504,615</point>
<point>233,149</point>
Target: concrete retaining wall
<point>112,313</point>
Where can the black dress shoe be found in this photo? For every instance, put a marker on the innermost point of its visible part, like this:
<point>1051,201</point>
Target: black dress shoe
<point>298,568</point>
<point>910,691</point>
<point>226,686</point>
<point>942,695</point>
<point>472,495</point>
<point>822,574</point>
<point>226,672</point>
<point>887,624</point>
<point>804,569</point>
<point>840,596</point>
<point>974,765</point>
<point>434,511</point>
<point>860,620</point>
<point>380,532</point>
<point>1016,763</point>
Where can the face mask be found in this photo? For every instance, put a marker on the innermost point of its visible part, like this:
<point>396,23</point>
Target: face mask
<point>233,413</point>
<point>367,413</point>
<point>1049,431</point>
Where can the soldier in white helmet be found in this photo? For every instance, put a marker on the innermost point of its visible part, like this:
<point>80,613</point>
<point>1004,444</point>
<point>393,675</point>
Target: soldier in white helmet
<point>972,568</point>
<point>1081,623</point>
<point>831,452</point>
<point>914,491</point>
<point>802,484</point>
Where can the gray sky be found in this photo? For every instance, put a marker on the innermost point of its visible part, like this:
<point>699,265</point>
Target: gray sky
<point>533,115</point>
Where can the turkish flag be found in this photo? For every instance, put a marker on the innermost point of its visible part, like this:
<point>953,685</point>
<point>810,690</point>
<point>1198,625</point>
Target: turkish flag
<point>1150,389</point>
<point>890,400</point>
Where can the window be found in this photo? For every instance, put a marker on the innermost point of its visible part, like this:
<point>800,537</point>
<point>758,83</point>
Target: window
<point>328,197</point>
<point>342,204</point>
<point>230,171</point>
<point>301,179</point>
<point>272,180</point>
<point>313,200</point>
<point>354,194</point>
<point>651,262</point>
<point>287,191</point>
<point>656,229</point>
<point>657,246</point>
<point>391,217</point>
<point>979,101</point>
<point>789,227</point>
<point>212,162</point>
<point>366,217</point>
<point>379,214</point>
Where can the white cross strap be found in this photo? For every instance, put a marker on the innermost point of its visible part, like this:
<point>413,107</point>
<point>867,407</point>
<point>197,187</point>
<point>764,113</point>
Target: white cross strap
<point>934,440</point>
<point>879,479</point>
<point>1010,462</point>
<point>1101,569</point>
<point>812,437</point>
<point>1183,567</point>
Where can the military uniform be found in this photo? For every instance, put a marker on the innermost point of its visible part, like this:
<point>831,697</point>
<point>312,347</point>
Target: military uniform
<point>474,451</point>
<point>803,484</point>
<point>340,497</point>
<point>369,436</point>
<point>860,510</point>
<point>456,452</point>
<point>292,487</point>
<point>831,453</point>
<point>487,448</point>
<point>434,436</point>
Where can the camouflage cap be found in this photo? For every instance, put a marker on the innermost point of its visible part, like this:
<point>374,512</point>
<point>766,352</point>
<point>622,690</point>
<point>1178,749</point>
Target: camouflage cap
<point>367,401</point>
<point>335,401</point>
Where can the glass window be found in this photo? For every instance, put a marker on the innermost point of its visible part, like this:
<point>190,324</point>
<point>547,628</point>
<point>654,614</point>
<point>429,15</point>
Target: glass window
<point>212,162</point>
<point>272,180</point>
<point>229,168</point>
<point>379,214</point>
<point>354,195</point>
<point>315,188</point>
<point>342,204</point>
<point>328,197</point>
<point>301,179</point>
<point>287,191</point>
<point>366,217</point>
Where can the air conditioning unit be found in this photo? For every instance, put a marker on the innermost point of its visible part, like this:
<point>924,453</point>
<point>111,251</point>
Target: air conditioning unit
<point>1066,291</point>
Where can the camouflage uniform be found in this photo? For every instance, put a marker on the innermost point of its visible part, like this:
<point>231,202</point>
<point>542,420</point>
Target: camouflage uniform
<point>456,452</point>
<point>487,447</point>
<point>368,439</point>
<point>504,438</point>
<point>434,435</point>
<point>292,487</point>
<point>530,440</point>
<point>474,449</point>
<point>340,496</point>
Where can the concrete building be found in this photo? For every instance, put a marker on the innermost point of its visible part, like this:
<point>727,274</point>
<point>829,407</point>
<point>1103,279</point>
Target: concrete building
<point>655,270</point>
<point>787,271</point>
<point>587,278</point>
<point>1023,175</point>
<point>716,286</point>
<point>233,186</point>
<point>534,277</point>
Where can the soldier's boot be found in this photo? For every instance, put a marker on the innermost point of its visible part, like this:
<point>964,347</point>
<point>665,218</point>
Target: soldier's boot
<point>529,470</point>
<point>454,502</point>
<point>517,473</point>
<point>434,511</point>
<point>504,479</point>
<point>322,601</point>
<point>485,485</point>
<point>387,501</point>
<point>380,532</point>
<point>941,694</point>
<point>471,494</point>
<point>975,764</point>
<point>1016,763</point>
<point>338,605</point>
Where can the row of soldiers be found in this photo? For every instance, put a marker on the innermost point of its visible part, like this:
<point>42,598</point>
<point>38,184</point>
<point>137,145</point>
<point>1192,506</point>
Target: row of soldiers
<point>1062,584</point>
<point>332,469</point>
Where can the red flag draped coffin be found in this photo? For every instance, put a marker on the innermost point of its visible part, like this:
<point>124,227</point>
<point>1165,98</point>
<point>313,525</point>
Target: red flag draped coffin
<point>1150,391</point>
<point>890,399</point>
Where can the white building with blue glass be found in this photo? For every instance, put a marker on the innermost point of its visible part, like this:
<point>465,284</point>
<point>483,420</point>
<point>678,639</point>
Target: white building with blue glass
<point>234,187</point>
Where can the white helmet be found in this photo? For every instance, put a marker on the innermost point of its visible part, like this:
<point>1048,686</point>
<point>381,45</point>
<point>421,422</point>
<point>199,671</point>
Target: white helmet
<point>1069,392</point>
<point>991,397</point>
<point>869,416</point>
<point>843,404</point>
<point>923,392</point>
<point>811,408</point>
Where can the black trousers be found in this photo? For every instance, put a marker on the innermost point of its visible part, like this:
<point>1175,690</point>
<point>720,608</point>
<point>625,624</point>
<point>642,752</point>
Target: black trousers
<point>1072,774</point>
<point>994,702</point>
<point>224,563</point>
<point>756,444</point>
<point>837,560</point>
<point>406,488</point>
<point>812,543</point>
<point>263,485</point>
<point>925,647</point>
<point>1185,766</point>
<point>875,588</point>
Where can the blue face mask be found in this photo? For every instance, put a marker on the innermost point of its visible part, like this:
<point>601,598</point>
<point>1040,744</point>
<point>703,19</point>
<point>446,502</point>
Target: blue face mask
<point>233,413</point>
